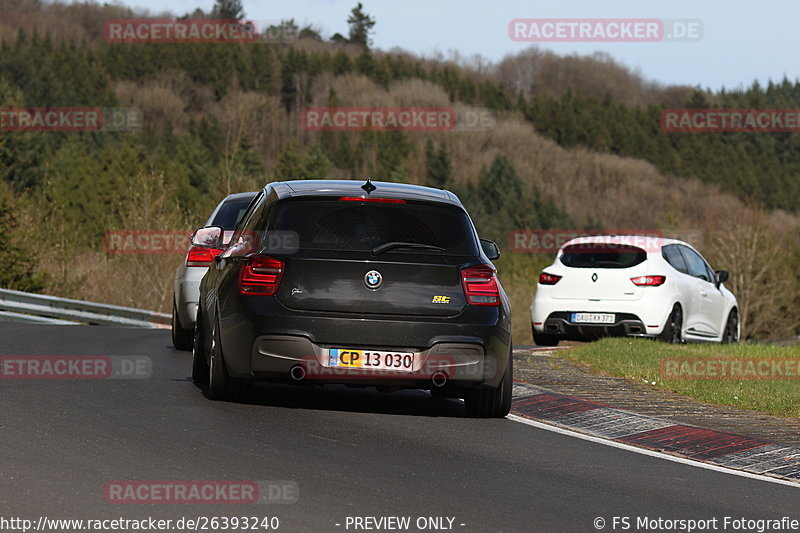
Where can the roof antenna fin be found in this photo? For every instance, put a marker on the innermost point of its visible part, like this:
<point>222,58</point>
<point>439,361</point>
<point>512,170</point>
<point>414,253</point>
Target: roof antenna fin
<point>368,186</point>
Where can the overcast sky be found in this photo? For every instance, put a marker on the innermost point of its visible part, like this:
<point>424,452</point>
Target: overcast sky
<point>740,43</point>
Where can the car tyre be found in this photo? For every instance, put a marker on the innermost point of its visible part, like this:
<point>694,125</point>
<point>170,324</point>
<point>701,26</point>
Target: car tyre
<point>200,369</point>
<point>181,337</point>
<point>543,339</point>
<point>492,402</point>
<point>220,385</point>
<point>731,333</point>
<point>673,328</point>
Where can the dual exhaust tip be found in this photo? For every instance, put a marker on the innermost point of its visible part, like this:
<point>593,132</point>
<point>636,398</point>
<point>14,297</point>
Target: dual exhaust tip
<point>439,379</point>
<point>298,373</point>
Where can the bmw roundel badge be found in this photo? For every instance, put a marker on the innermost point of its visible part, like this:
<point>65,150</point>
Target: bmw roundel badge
<point>373,279</point>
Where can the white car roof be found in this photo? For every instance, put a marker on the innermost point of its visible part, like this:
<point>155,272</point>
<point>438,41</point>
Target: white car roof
<point>651,243</point>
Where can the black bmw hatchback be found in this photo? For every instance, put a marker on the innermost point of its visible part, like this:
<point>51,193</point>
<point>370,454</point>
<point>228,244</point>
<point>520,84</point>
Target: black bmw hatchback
<point>364,284</point>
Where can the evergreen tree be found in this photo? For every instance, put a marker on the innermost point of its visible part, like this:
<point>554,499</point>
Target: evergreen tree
<point>502,203</point>
<point>360,26</point>
<point>295,164</point>
<point>341,63</point>
<point>228,10</point>
<point>18,270</point>
<point>438,164</point>
<point>310,32</point>
<point>392,149</point>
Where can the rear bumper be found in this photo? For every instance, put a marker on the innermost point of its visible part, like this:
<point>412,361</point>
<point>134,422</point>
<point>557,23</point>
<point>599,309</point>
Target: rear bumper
<point>644,317</point>
<point>462,364</point>
<point>187,293</point>
<point>263,340</point>
<point>626,325</point>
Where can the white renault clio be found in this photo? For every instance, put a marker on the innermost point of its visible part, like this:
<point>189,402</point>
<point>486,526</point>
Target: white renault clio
<point>634,286</point>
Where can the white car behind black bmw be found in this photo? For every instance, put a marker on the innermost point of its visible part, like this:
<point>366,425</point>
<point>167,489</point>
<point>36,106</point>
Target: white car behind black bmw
<point>633,286</point>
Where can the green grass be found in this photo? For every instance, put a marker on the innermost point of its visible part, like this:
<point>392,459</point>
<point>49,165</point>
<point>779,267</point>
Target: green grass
<point>641,361</point>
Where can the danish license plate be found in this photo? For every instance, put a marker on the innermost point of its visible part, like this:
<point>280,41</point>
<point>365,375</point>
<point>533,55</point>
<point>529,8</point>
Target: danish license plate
<point>371,359</point>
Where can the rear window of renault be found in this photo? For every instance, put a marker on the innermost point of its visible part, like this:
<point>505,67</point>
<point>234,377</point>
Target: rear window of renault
<point>602,255</point>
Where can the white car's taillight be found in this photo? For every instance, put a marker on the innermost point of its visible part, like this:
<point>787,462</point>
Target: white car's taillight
<point>548,279</point>
<point>649,281</point>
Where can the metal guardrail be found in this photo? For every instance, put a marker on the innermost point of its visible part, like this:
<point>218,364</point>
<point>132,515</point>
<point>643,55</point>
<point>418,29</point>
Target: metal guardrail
<point>5,316</point>
<point>28,307</point>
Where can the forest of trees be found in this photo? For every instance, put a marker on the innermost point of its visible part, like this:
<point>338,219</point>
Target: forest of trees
<point>222,118</point>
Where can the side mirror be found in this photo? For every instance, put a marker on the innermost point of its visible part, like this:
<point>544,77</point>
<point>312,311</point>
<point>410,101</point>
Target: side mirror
<point>490,249</point>
<point>208,237</point>
<point>720,277</point>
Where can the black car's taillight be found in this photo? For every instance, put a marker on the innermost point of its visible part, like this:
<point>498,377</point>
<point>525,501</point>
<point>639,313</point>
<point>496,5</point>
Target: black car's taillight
<point>480,285</point>
<point>260,275</point>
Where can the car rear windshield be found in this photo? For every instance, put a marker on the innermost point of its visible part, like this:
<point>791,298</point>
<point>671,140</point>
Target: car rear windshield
<point>600,255</point>
<point>363,226</point>
<point>230,213</point>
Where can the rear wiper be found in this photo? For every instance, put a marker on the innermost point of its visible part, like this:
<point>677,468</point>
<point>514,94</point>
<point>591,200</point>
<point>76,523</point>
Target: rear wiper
<point>392,245</point>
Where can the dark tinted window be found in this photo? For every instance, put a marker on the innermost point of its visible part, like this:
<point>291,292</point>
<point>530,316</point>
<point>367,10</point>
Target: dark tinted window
<point>590,255</point>
<point>250,223</point>
<point>697,265</point>
<point>347,225</point>
<point>673,256</point>
<point>230,213</point>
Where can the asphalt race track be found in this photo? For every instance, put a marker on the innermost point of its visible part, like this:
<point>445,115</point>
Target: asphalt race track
<point>351,452</point>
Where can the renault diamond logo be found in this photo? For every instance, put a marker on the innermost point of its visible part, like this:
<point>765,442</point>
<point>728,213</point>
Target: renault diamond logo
<point>594,277</point>
<point>373,279</point>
